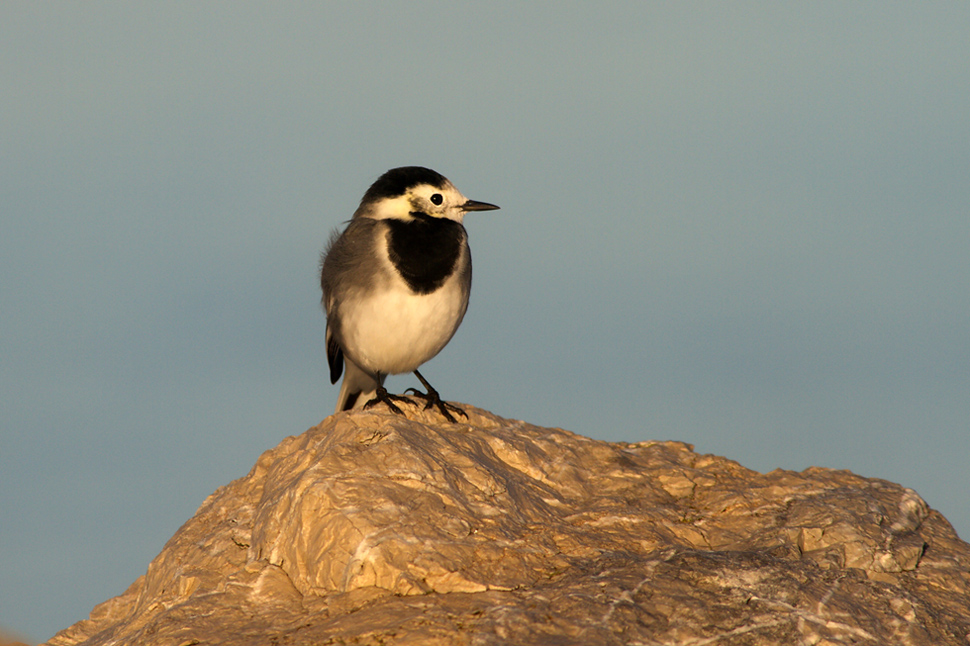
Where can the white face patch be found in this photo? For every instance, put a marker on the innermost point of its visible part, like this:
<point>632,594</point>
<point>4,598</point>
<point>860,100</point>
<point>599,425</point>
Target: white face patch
<point>438,202</point>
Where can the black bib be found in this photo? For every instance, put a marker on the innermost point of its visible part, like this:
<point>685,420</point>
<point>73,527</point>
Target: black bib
<point>425,250</point>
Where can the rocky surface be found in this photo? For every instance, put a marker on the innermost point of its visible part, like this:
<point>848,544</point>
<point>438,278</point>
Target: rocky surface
<point>9,639</point>
<point>375,529</point>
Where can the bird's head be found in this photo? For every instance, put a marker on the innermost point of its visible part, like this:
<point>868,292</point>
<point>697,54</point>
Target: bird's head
<point>415,192</point>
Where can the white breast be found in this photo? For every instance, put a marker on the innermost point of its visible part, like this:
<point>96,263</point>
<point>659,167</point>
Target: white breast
<point>393,330</point>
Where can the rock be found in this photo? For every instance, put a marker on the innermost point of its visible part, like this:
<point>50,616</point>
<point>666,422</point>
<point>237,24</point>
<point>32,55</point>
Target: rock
<point>10,639</point>
<point>372,528</point>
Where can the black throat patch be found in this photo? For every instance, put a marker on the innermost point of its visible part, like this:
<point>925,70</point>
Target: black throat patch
<point>425,250</point>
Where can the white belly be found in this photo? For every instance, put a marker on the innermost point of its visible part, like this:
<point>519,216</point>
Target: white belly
<point>394,331</point>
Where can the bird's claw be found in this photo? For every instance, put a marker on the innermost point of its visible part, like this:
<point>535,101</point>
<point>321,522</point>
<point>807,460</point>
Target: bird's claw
<point>384,397</point>
<point>432,398</point>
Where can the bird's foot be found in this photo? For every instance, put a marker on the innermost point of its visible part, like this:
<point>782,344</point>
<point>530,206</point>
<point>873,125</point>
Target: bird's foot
<point>384,397</point>
<point>432,398</point>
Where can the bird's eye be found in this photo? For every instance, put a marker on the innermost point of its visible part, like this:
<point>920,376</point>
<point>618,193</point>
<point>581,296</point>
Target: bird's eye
<point>436,199</point>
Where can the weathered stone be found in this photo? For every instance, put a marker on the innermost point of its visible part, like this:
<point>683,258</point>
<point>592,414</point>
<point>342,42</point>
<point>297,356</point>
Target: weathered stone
<point>375,529</point>
<point>9,639</point>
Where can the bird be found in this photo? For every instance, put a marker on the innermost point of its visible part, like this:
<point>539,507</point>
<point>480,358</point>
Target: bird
<point>396,283</point>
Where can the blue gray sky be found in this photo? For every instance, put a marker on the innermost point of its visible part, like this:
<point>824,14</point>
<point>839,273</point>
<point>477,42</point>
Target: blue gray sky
<point>739,225</point>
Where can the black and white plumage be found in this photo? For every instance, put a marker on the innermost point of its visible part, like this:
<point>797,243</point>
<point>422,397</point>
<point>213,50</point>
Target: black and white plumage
<point>396,283</point>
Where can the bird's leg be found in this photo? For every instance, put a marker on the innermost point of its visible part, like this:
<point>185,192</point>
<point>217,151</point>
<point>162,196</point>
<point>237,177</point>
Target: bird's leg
<point>382,396</point>
<point>432,398</point>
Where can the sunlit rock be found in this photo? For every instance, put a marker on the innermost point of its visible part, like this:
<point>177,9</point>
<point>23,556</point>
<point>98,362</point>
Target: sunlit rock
<point>376,529</point>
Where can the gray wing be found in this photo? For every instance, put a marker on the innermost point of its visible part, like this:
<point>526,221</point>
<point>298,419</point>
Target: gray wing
<point>349,263</point>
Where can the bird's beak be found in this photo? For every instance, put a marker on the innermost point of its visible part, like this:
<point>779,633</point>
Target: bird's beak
<point>472,205</point>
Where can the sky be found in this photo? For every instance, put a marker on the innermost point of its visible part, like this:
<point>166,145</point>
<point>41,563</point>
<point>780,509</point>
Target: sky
<point>739,225</point>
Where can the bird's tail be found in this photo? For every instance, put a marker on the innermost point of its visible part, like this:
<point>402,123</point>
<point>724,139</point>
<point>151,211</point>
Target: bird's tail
<point>357,388</point>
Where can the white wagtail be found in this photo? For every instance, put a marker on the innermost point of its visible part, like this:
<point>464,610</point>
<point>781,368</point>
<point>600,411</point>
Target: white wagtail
<point>396,284</point>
